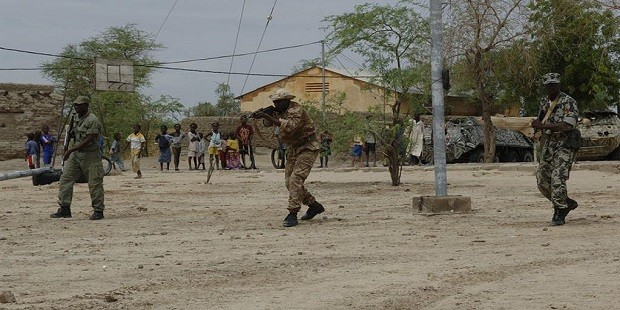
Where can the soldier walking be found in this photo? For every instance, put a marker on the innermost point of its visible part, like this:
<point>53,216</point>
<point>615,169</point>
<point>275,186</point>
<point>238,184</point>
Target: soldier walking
<point>83,158</point>
<point>557,120</point>
<point>297,130</point>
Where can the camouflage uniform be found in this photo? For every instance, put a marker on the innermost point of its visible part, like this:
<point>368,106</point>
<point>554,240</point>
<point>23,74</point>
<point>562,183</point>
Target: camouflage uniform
<point>86,161</point>
<point>556,159</point>
<point>298,132</point>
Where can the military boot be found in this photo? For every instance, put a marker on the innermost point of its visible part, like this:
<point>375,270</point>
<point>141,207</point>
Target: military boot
<point>559,216</point>
<point>314,209</point>
<point>63,212</point>
<point>291,220</point>
<point>572,204</point>
<point>97,215</point>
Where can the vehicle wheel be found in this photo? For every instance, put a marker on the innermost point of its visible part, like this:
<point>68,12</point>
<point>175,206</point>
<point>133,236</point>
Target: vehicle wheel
<point>528,157</point>
<point>512,156</point>
<point>107,165</point>
<point>477,156</point>
<point>615,155</point>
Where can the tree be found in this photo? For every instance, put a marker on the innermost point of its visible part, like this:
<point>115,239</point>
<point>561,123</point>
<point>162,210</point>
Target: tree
<point>156,113</point>
<point>226,103</point>
<point>75,67</point>
<point>581,41</point>
<point>478,30</point>
<point>394,43</point>
<point>202,109</point>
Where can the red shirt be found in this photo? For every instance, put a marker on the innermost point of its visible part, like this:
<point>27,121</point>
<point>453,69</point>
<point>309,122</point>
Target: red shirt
<point>244,133</point>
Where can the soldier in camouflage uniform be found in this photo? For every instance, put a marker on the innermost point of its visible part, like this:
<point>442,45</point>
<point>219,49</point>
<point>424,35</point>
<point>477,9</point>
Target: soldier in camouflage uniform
<point>298,132</point>
<point>556,158</point>
<point>83,158</point>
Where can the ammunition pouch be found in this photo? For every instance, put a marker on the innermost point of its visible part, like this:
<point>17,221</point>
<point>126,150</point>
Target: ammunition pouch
<point>573,139</point>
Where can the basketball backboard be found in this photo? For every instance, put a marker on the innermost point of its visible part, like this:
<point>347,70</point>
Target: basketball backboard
<point>113,75</point>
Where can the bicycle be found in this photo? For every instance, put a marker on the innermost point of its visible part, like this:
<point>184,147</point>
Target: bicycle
<point>278,156</point>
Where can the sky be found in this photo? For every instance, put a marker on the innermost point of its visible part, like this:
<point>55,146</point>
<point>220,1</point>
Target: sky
<point>193,29</point>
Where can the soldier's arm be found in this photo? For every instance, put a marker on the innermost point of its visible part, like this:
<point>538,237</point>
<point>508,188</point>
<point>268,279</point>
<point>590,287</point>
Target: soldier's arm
<point>91,138</point>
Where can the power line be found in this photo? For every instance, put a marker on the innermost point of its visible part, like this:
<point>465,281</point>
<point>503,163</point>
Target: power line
<point>259,43</point>
<point>39,53</point>
<point>232,59</point>
<point>165,20</point>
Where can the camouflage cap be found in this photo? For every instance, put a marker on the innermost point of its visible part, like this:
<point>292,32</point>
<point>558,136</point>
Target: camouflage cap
<point>281,94</point>
<point>551,78</point>
<point>81,100</point>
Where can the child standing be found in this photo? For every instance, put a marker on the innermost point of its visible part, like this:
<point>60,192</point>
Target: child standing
<point>47,143</point>
<point>356,150</point>
<point>233,160</point>
<point>214,144</point>
<point>222,150</point>
<point>32,151</point>
<point>177,137</point>
<point>326,147</point>
<point>115,153</point>
<point>163,140</point>
<point>136,141</point>
<point>201,151</point>
<point>193,149</point>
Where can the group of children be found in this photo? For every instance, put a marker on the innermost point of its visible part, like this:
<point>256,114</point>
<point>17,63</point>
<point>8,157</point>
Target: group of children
<point>39,145</point>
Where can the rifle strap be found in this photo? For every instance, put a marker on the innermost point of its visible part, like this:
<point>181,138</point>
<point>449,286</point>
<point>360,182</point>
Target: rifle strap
<point>551,108</point>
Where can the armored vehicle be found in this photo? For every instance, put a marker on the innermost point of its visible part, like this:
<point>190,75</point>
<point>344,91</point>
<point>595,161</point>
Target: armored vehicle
<point>465,143</point>
<point>601,136</point>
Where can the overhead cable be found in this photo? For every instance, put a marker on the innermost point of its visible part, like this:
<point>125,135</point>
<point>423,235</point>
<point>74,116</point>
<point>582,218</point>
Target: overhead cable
<point>165,20</point>
<point>269,18</point>
<point>232,59</point>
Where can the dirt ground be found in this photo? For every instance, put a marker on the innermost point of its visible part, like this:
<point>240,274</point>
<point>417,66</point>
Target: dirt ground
<point>170,241</point>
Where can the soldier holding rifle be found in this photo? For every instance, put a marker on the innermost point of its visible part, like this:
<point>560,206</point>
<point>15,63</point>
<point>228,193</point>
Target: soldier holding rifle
<point>297,130</point>
<point>83,158</point>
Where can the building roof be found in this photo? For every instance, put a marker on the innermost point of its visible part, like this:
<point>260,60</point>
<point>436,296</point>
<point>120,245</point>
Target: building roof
<point>363,76</point>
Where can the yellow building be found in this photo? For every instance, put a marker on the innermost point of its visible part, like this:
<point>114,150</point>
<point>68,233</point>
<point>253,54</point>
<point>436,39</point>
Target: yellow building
<point>361,93</point>
<point>306,85</point>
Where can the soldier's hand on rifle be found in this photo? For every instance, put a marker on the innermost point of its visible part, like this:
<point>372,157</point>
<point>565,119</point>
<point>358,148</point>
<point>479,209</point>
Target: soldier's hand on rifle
<point>66,154</point>
<point>537,124</point>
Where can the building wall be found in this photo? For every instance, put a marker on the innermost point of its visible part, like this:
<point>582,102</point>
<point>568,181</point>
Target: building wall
<point>25,108</point>
<point>360,96</point>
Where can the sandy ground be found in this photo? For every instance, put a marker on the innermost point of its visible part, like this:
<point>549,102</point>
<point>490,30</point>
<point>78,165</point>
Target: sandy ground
<point>170,241</point>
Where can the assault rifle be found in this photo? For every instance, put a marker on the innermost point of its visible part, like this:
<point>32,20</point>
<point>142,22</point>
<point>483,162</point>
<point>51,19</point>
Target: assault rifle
<point>69,134</point>
<point>270,110</point>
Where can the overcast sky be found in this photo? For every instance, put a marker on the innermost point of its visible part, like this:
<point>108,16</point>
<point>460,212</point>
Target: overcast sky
<point>194,29</point>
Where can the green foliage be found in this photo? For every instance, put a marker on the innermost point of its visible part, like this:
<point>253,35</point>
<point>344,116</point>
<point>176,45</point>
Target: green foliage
<point>226,103</point>
<point>202,109</point>
<point>581,41</point>
<point>118,111</point>
<point>394,42</point>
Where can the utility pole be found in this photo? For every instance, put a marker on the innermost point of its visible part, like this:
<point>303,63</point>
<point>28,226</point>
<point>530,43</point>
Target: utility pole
<point>439,140</point>
<point>323,82</point>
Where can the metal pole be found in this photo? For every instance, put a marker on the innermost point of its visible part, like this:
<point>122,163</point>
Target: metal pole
<point>439,140</point>
<point>24,173</point>
<point>323,82</point>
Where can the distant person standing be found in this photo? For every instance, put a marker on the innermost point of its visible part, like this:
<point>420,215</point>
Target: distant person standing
<point>115,153</point>
<point>326,148</point>
<point>32,151</point>
<point>214,145</point>
<point>177,138</point>
<point>356,150</point>
<point>193,150</point>
<point>163,140</point>
<point>297,130</point>
<point>557,120</point>
<point>135,141</point>
<point>416,140</point>
<point>82,159</point>
<point>47,143</point>
<point>370,143</point>
<point>245,133</point>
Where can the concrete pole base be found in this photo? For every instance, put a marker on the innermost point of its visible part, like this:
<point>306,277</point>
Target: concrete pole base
<point>443,204</point>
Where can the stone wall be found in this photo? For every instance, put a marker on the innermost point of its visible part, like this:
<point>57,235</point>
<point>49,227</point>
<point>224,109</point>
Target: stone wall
<point>263,136</point>
<point>25,108</point>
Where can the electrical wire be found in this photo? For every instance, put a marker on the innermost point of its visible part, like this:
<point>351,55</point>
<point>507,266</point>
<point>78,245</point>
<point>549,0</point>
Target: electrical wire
<point>232,59</point>
<point>39,53</point>
<point>269,18</point>
<point>165,20</point>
